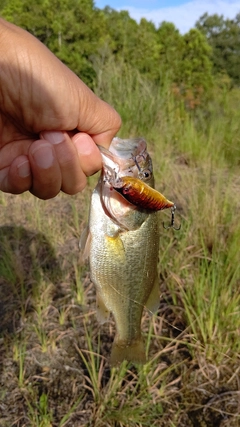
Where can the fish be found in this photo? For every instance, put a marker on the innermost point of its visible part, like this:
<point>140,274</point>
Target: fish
<point>122,243</point>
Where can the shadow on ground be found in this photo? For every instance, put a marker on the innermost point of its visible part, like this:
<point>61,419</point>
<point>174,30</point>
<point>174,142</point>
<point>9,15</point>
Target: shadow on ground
<point>25,258</point>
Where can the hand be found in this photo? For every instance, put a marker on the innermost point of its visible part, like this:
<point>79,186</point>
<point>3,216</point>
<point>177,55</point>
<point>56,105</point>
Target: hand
<point>50,121</point>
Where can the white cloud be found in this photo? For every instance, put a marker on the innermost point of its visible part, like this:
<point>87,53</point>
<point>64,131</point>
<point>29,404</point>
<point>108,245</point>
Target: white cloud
<point>185,16</point>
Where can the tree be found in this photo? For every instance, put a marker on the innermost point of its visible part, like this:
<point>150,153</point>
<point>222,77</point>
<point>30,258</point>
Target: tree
<point>120,30</point>
<point>195,72</point>
<point>144,50</point>
<point>170,50</point>
<point>224,37</point>
<point>70,28</point>
<point>86,38</point>
<point>186,61</point>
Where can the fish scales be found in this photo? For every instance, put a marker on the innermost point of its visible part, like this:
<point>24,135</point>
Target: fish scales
<point>120,278</point>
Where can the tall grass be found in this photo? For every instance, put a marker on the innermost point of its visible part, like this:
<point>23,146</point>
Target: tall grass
<point>54,356</point>
<point>209,133</point>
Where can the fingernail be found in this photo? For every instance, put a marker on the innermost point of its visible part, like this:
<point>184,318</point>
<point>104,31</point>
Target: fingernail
<point>43,156</point>
<point>53,137</point>
<point>84,144</point>
<point>24,169</point>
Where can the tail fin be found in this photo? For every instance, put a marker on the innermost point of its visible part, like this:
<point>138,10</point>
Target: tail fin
<point>132,352</point>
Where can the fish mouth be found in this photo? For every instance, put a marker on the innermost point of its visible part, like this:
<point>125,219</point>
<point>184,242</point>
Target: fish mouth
<point>123,154</point>
<point>128,148</point>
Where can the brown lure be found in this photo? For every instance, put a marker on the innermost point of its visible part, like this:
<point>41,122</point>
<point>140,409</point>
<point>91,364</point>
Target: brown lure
<point>142,195</point>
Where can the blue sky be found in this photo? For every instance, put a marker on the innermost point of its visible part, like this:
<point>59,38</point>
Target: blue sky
<point>183,13</point>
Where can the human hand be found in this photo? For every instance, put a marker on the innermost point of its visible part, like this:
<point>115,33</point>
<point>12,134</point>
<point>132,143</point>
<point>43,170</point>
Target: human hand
<point>50,121</point>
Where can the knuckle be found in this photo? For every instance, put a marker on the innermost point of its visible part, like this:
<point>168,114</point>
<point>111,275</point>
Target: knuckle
<point>75,188</point>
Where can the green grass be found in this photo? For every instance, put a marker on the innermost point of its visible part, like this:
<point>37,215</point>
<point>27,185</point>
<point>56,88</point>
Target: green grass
<point>54,368</point>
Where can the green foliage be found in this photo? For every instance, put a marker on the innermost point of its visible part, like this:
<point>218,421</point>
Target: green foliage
<point>224,37</point>
<point>144,52</point>
<point>70,28</point>
<point>83,37</point>
<point>171,46</point>
<point>119,32</point>
<point>193,76</point>
<point>197,65</point>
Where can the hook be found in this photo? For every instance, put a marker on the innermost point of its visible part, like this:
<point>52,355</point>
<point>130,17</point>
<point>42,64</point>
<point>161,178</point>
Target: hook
<point>172,220</point>
<point>143,174</point>
<point>136,162</point>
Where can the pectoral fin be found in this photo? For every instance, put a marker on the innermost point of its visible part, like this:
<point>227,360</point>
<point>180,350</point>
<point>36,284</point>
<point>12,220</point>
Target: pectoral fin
<point>153,299</point>
<point>84,244</point>
<point>116,248</point>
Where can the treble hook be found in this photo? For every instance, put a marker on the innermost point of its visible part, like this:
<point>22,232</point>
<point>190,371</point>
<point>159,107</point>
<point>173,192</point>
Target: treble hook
<point>143,174</point>
<point>136,162</point>
<point>172,220</point>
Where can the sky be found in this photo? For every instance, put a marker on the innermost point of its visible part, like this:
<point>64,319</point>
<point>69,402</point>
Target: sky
<point>183,13</point>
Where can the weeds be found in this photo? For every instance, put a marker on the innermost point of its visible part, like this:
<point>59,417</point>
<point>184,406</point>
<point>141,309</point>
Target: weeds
<point>54,367</point>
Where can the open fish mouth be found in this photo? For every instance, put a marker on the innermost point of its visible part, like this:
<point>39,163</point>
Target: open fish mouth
<point>127,148</point>
<point>125,157</point>
<point>127,168</point>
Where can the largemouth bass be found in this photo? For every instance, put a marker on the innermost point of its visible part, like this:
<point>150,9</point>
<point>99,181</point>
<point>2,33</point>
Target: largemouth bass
<point>123,245</point>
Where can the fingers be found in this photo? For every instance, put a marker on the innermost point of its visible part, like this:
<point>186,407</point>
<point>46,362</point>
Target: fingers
<point>46,173</point>
<point>37,170</point>
<point>95,117</point>
<point>28,76</point>
<point>89,155</point>
<point>17,177</point>
<point>55,162</point>
<point>61,163</point>
<point>31,103</point>
<point>72,174</point>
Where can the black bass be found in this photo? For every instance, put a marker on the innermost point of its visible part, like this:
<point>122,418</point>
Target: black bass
<point>123,246</point>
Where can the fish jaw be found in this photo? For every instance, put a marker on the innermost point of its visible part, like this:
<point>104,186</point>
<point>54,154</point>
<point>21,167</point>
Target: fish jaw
<point>127,157</point>
<point>126,149</point>
<point>124,158</point>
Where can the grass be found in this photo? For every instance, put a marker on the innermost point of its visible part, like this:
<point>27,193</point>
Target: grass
<point>54,367</point>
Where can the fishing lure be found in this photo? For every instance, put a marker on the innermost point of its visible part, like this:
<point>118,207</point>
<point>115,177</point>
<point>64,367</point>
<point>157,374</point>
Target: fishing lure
<point>135,190</point>
<point>141,194</point>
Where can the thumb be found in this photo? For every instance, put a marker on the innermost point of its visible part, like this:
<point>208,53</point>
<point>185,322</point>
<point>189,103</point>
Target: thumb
<point>96,117</point>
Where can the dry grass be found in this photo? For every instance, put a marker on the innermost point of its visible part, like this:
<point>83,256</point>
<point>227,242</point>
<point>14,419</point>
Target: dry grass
<point>54,367</point>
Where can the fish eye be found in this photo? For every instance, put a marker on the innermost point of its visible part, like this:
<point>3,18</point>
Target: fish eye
<point>146,174</point>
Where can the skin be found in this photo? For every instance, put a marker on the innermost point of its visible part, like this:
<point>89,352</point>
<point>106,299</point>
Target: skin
<point>50,121</point>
